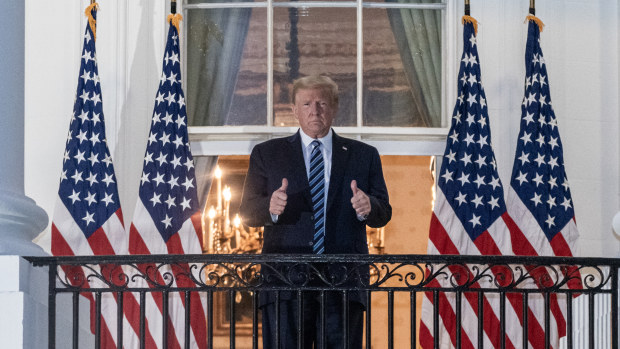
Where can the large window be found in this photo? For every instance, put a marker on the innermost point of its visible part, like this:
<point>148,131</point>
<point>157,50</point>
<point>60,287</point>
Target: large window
<point>386,56</point>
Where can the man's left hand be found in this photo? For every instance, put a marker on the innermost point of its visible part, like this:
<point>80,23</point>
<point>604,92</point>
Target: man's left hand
<point>360,201</point>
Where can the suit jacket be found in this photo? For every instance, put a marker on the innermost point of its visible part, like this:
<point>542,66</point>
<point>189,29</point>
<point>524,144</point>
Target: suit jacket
<point>293,232</point>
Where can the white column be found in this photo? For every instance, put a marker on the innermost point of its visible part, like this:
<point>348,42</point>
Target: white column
<point>20,218</point>
<point>23,323</point>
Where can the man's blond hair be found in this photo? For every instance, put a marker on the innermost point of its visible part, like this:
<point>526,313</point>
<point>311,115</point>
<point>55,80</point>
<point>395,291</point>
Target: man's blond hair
<point>320,82</point>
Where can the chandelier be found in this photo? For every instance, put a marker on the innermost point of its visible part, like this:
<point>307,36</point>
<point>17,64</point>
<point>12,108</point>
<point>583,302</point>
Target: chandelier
<point>223,235</point>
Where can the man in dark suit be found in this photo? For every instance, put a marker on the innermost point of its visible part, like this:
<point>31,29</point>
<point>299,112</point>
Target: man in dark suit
<point>314,192</point>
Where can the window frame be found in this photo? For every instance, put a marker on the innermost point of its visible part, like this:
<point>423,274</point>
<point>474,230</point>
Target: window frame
<point>239,140</point>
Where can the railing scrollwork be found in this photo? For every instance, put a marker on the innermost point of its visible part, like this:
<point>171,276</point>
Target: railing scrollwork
<point>508,274</point>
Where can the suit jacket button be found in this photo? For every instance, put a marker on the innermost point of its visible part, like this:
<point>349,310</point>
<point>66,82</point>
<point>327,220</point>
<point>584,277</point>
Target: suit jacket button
<point>310,243</point>
<point>312,217</point>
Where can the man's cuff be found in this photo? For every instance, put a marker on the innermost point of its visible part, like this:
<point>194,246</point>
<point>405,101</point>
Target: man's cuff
<point>362,218</point>
<point>274,217</point>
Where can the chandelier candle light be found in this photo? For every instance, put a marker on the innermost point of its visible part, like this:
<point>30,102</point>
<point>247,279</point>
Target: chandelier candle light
<point>220,233</point>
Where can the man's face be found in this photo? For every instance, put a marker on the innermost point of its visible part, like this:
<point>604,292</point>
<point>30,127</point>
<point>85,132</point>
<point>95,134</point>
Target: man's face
<point>315,112</point>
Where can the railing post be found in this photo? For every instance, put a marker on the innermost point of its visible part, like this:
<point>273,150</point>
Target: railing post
<point>390,319</point>
<point>480,320</point>
<point>300,320</point>
<point>210,318</point>
<point>459,314</point>
<point>76,319</point>
<point>345,322</point>
<point>615,303</point>
<point>164,316</point>
<point>277,322</point>
<point>322,316</point>
<point>119,319</point>
<point>525,310</point>
<point>231,309</point>
<point>569,321</point>
<point>412,316</point>
<point>188,307</point>
<point>502,319</point>
<point>368,319</point>
<point>254,320</point>
<point>51,315</point>
<point>591,320</point>
<point>436,319</point>
<point>98,320</point>
<point>547,321</point>
<point>142,319</point>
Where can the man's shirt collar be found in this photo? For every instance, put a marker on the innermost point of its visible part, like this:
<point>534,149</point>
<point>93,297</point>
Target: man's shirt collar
<point>326,141</point>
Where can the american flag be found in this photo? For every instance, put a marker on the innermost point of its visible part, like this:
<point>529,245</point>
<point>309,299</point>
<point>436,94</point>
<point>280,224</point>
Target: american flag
<point>469,216</point>
<point>167,218</point>
<point>87,217</point>
<point>539,198</point>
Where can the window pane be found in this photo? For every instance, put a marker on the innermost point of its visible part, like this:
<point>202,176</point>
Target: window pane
<point>352,1</point>
<point>402,68</point>
<point>192,2</point>
<point>227,66</point>
<point>409,1</point>
<point>315,41</point>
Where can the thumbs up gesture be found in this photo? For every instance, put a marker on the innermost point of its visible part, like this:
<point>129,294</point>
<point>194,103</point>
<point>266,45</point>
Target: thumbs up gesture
<point>278,199</point>
<point>360,201</point>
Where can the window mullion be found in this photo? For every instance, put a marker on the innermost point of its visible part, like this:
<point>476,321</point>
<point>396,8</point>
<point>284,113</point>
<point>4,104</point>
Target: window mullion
<point>360,62</point>
<point>269,62</point>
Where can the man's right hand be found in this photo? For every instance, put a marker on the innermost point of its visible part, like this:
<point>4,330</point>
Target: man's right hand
<point>278,199</point>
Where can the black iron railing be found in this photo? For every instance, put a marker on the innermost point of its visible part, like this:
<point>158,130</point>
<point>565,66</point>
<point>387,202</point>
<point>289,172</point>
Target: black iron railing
<point>227,276</point>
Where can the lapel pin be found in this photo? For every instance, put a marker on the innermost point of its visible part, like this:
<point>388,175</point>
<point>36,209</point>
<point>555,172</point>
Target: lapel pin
<point>344,148</point>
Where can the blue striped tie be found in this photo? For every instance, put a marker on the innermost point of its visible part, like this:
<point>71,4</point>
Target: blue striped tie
<point>317,191</point>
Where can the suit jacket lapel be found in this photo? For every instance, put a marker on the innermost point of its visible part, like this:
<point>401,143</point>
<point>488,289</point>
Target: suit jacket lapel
<point>340,160</point>
<point>298,167</point>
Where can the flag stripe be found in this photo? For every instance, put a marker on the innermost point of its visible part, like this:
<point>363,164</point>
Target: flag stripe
<point>154,306</point>
<point>196,321</point>
<point>447,311</point>
<point>176,300</point>
<point>491,324</point>
<point>60,247</point>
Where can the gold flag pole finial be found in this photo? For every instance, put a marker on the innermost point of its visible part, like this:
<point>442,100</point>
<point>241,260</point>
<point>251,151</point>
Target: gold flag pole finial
<point>174,17</point>
<point>532,16</point>
<point>467,18</point>
<point>91,20</point>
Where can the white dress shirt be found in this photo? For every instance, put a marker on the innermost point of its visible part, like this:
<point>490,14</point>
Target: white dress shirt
<point>326,149</point>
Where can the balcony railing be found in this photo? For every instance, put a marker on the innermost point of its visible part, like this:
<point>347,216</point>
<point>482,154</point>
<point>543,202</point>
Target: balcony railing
<point>225,277</point>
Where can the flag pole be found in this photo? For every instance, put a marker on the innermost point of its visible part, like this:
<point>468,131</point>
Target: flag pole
<point>468,18</point>
<point>174,17</point>
<point>532,15</point>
